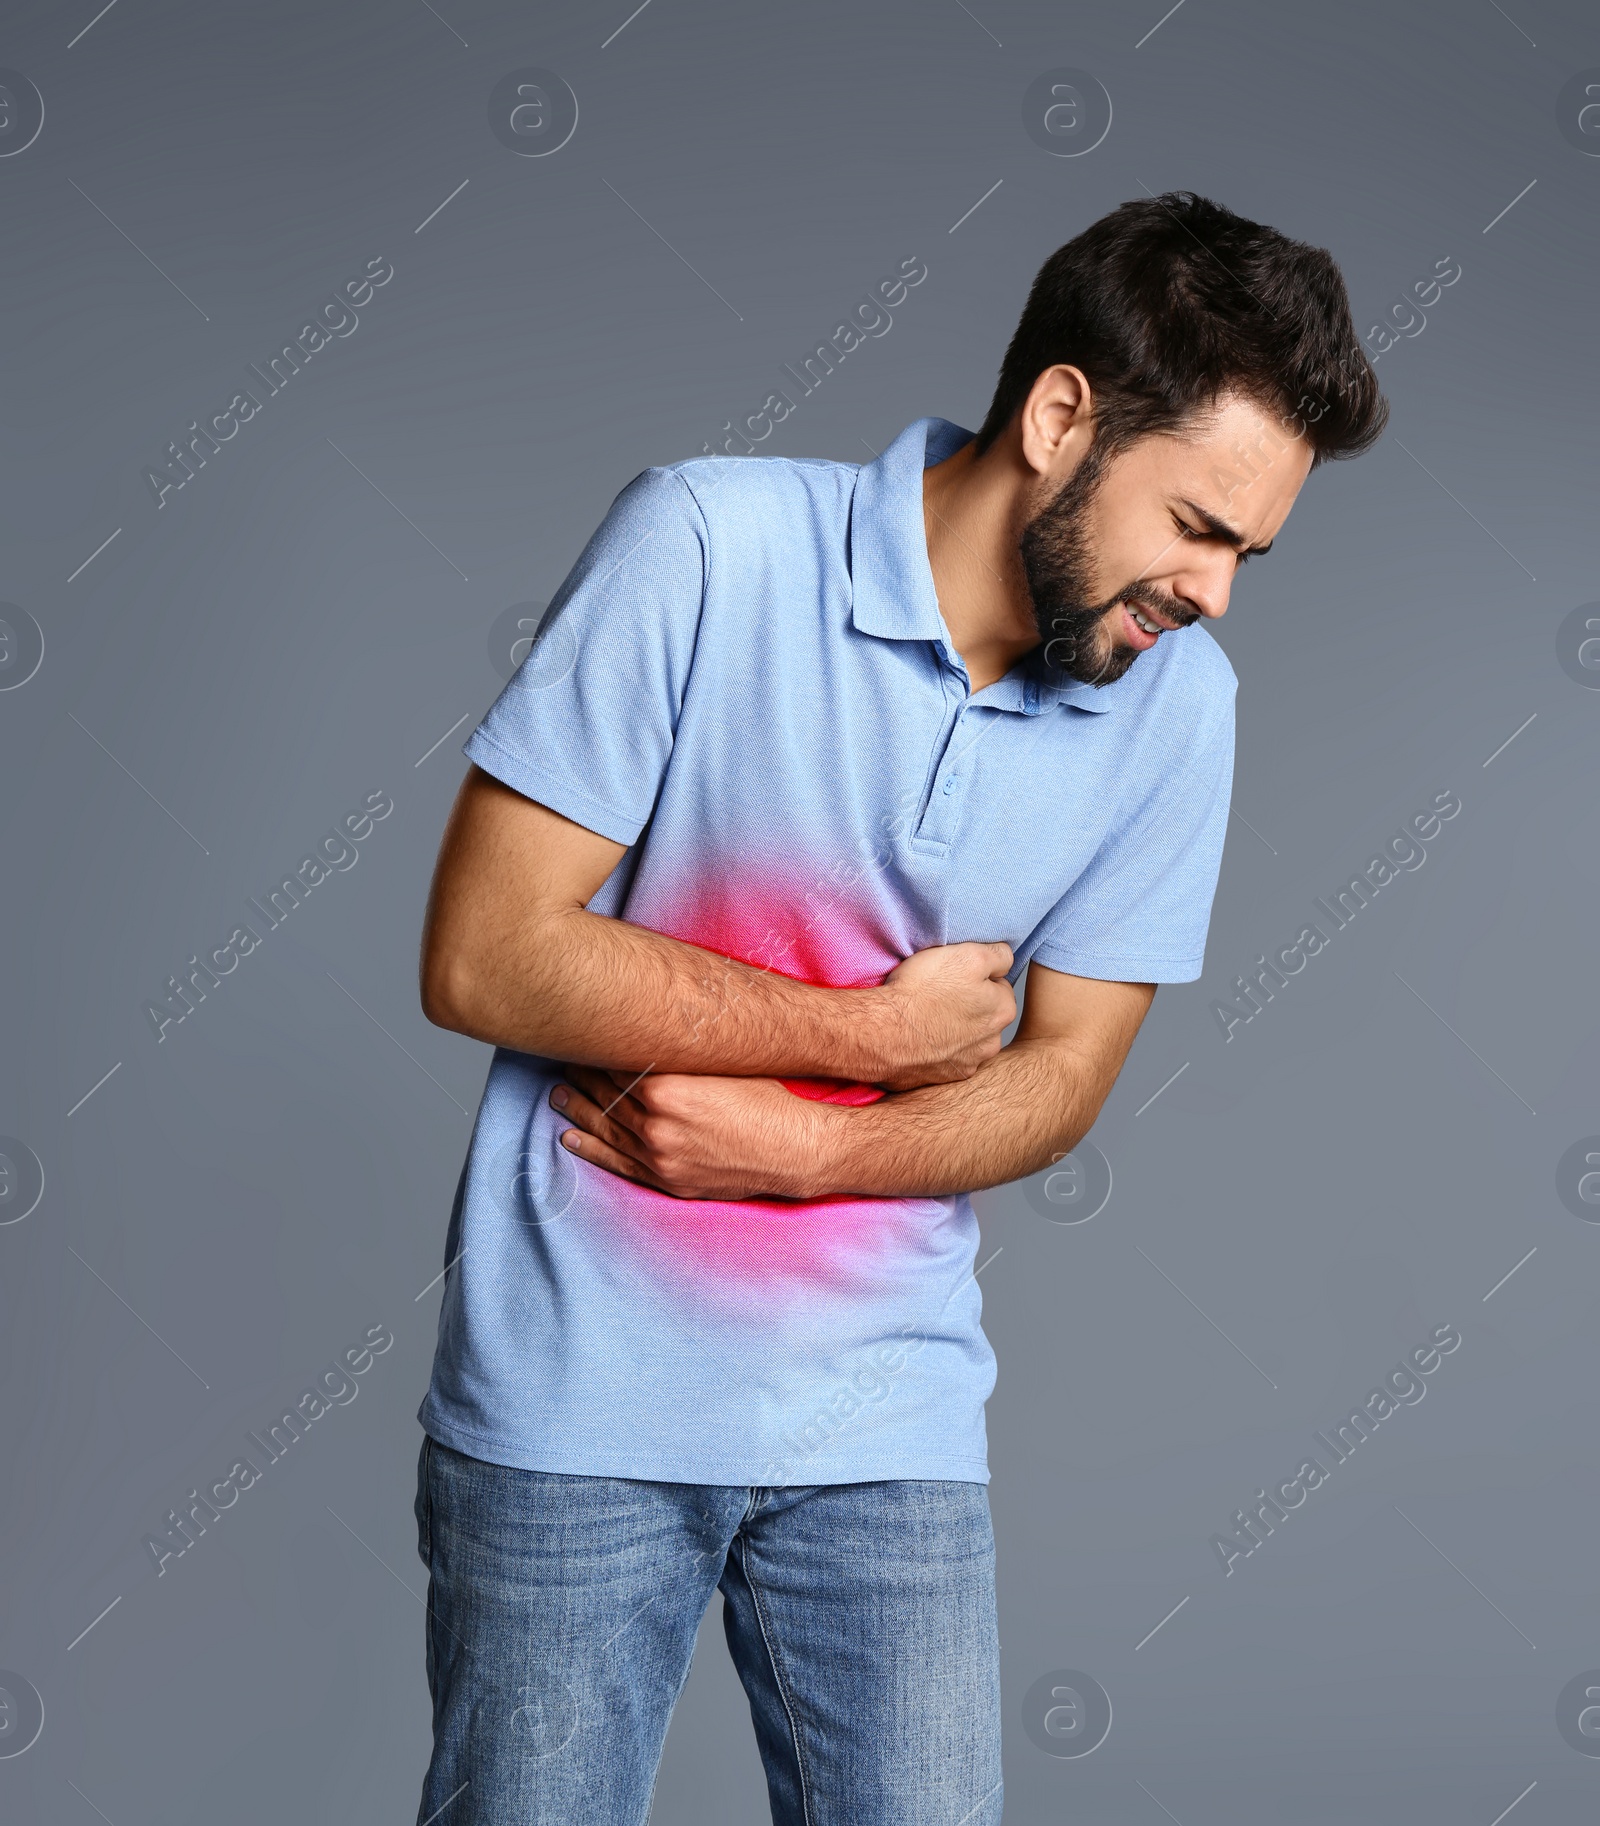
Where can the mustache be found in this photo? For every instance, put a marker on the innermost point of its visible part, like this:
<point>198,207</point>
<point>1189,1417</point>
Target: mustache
<point>1164,608</point>
<point>1069,626</point>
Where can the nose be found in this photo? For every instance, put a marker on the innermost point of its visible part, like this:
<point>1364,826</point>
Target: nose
<point>1207,583</point>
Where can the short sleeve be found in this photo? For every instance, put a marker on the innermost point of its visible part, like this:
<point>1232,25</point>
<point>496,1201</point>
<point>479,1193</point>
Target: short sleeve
<point>586,725</point>
<point>1139,911</point>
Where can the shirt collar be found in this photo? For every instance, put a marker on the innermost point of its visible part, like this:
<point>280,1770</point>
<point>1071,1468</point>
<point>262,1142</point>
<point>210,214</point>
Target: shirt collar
<point>892,585</point>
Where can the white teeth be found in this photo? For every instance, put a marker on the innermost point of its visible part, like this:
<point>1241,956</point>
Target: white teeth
<point>1150,627</point>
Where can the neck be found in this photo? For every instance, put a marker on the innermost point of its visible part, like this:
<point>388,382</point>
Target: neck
<point>974,509</point>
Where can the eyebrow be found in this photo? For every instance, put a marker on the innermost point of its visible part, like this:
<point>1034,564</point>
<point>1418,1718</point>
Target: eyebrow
<point>1220,529</point>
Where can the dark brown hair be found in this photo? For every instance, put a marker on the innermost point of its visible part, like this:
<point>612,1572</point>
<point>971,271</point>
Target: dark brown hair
<point>1171,301</point>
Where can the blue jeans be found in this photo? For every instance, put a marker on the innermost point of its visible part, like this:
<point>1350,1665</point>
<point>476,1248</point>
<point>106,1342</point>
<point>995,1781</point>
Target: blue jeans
<point>562,1613</point>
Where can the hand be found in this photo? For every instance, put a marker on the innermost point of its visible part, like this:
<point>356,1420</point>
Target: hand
<point>695,1136</point>
<point>950,1004</point>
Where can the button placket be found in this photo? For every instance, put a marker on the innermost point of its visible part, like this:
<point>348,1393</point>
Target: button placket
<point>943,812</point>
<point>927,835</point>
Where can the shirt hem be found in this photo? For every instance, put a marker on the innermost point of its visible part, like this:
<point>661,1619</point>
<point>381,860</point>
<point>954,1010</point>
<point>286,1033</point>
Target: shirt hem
<point>691,1469</point>
<point>534,782</point>
<point>1123,968</point>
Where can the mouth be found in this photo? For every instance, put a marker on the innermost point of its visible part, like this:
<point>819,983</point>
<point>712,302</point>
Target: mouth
<point>1142,628</point>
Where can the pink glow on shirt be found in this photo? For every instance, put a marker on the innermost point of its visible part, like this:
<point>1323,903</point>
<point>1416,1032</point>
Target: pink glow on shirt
<point>758,1246</point>
<point>813,926</point>
<point>803,924</point>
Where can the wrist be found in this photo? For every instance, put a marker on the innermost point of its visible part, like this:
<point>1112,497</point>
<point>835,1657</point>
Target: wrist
<point>822,1166</point>
<point>871,1037</point>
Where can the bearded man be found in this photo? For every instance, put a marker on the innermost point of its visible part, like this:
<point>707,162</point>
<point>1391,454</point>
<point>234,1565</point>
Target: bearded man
<point>812,772</point>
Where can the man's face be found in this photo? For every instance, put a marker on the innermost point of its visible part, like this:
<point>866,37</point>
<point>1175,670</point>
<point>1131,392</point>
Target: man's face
<point>1155,534</point>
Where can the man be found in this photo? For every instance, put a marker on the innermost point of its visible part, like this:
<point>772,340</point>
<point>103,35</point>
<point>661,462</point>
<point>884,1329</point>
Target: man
<point>809,765</point>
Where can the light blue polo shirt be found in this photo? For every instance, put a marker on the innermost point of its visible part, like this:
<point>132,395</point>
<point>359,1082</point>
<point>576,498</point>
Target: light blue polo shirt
<point>747,680</point>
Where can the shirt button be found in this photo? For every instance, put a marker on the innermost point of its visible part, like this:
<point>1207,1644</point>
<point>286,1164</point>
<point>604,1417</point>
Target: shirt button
<point>950,784</point>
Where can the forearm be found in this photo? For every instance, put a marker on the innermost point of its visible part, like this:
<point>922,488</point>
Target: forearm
<point>587,989</point>
<point>1030,1104</point>
<point>743,1137</point>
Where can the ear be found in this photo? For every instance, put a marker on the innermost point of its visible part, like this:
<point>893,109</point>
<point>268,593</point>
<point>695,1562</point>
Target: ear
<point>1056,421</point>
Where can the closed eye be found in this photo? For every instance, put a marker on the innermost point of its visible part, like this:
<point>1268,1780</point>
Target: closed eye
<point>1191,532</point>
<point>1213,528</point>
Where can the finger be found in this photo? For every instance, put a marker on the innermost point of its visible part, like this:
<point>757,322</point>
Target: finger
<point>1001,957</point>
<point>609,1089</point>
<point>593,1120</point>
<point>628,1080</point>
<point>624,1166</point>
<point>601,1089</point>
<point>598,1154</point>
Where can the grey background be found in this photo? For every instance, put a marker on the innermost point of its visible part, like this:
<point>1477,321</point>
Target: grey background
<point>1367,1159</point>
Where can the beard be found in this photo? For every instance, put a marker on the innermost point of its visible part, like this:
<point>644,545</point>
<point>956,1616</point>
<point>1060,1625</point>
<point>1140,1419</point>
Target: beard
<point>1058,560</point>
